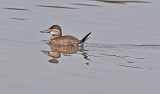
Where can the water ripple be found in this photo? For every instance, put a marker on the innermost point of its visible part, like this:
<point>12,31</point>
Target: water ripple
<point>121,2</point>
<point>56,7</point>
<point>85,5</point>
<point>19,19</point>
<point>16,9</point>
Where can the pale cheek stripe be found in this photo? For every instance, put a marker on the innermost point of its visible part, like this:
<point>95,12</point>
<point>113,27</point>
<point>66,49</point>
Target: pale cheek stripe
<point>52,32</point>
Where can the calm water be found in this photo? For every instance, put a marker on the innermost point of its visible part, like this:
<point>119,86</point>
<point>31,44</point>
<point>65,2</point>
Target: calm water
<point>121,56</point>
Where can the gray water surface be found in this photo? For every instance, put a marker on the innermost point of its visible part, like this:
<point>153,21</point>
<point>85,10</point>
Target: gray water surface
<point>121,55</point>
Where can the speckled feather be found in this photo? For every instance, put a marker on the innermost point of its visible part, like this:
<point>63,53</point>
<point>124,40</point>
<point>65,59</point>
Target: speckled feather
<point>64,40</point>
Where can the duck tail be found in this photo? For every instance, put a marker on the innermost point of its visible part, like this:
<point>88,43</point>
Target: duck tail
<point>84,39</point>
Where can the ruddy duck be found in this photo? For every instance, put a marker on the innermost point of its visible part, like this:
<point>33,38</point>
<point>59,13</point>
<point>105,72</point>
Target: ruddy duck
<point>59,40</point>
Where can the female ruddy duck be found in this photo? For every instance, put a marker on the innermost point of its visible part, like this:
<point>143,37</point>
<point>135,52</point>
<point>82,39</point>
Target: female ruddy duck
<point>59,40</point>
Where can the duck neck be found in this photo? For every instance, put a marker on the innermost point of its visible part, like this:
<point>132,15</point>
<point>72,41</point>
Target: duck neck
<point>54,37</point>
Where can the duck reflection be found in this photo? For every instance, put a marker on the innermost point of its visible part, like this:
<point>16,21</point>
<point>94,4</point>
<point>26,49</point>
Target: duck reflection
<point>56,52</point>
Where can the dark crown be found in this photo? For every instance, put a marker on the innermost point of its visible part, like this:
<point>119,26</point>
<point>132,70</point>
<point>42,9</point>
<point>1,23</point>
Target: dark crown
<point>55,27</point>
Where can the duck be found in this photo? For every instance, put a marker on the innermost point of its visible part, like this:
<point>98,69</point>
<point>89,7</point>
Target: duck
<point>58,40</point>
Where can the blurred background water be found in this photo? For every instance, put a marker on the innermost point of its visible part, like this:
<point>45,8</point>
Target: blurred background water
<point>121,56</point>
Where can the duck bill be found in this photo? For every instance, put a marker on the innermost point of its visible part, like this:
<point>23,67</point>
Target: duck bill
<point>45,31</point>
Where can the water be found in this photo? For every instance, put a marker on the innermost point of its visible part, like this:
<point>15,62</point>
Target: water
<point>121,56</point>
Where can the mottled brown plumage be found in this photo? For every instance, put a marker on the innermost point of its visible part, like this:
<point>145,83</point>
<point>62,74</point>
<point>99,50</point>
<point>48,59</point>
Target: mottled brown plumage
<point>64,41</point>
